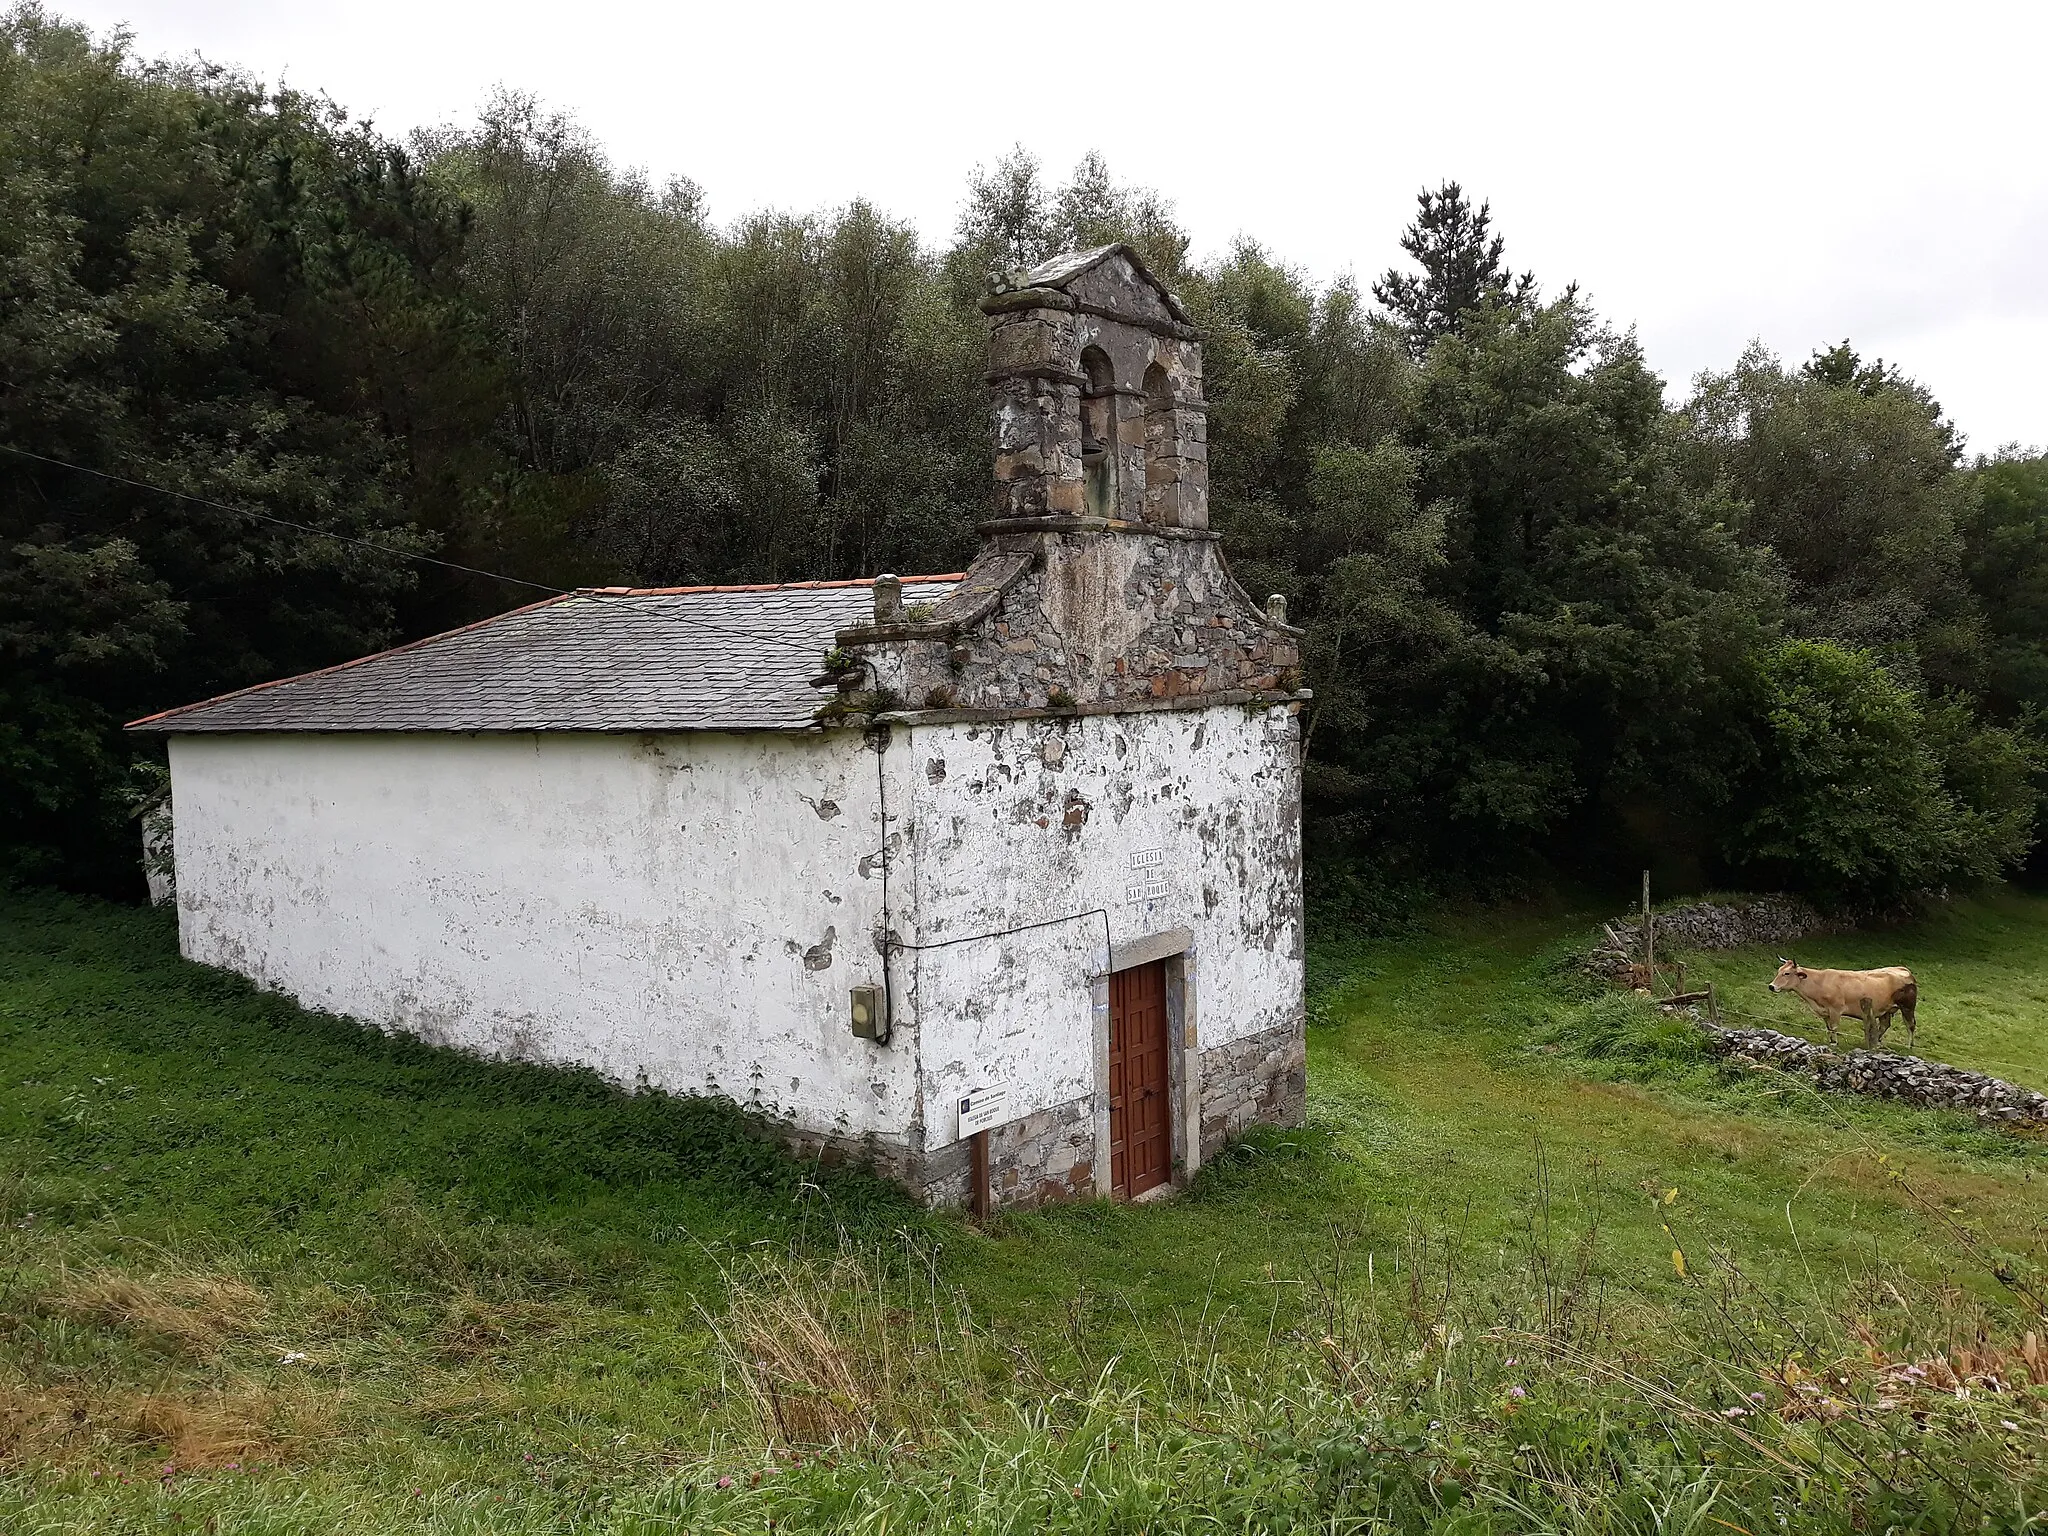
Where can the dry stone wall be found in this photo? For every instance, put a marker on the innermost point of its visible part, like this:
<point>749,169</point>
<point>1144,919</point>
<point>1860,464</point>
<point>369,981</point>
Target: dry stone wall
<point>1774,919</point>
<point>1731,925</point>
<point>1883,1075</point>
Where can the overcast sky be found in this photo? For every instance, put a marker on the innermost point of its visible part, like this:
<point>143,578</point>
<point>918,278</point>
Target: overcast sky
<point>1709,173</point>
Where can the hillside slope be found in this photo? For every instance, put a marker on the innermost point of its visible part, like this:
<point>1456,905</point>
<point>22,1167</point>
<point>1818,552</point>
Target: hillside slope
<point>1535,1260</point>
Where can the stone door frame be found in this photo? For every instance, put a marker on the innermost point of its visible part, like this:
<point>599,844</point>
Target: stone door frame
<point>1175,946</point>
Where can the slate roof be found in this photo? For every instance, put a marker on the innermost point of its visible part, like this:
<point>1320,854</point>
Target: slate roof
<point>1058,271</point>
<point>606,659</point>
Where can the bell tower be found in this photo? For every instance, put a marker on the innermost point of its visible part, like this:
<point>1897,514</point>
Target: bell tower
<point>1099,586</point>
<point>1096,393</point>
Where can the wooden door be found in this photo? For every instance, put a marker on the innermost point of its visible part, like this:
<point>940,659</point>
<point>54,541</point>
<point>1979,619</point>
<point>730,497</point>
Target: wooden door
<point>1140,1135</point>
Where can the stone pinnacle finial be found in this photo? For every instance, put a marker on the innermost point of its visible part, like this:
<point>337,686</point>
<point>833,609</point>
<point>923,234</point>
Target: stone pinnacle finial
<point>888,599</point>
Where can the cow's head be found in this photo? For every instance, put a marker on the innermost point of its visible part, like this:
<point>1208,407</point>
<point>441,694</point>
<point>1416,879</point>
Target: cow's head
<point>1790,974</point>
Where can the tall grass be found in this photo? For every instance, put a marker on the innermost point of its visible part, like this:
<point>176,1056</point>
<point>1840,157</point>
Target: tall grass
<point>1413,1389</point>
<point>262,1272</point>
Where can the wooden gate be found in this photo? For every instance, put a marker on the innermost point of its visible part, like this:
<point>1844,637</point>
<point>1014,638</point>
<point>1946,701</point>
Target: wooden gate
<point>1140,1136</point>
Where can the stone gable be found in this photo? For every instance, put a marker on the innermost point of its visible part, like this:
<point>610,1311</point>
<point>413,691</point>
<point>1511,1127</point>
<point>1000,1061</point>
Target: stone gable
<point>1099,585</point>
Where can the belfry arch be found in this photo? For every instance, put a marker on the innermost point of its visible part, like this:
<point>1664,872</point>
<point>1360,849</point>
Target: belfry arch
<point>1101,454</point>
<point>1096,395</point>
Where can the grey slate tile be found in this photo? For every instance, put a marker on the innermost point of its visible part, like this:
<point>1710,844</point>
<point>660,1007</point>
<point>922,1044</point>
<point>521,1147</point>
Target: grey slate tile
<point>702,659</point>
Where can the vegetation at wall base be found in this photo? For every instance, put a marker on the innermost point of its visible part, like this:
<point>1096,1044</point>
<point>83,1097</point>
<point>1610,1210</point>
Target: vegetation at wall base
<point>1552,622</point>
<point>1532,1265</point>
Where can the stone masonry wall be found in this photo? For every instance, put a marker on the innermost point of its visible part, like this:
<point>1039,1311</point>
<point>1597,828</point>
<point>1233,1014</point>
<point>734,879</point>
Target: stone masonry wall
<point>1043,1158</point>
<point>1095,328</point>
<point>1883,1075</point>
<point>1086,617</point>
<point>1262,1079</point>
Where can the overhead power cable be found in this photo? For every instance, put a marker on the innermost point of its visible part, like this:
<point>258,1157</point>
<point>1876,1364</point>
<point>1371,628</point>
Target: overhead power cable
<point>410,554</point>
<point>281,522</point>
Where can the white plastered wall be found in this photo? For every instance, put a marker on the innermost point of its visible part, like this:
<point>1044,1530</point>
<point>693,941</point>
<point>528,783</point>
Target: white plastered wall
<point>687,911</point>
<point>1163,820</point>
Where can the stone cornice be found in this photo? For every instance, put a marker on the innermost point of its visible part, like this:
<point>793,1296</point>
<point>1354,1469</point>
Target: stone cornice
<point>1069,524</point>
<point>1264,698</point>
<point>1051,298</point>
<point>1052,371</point>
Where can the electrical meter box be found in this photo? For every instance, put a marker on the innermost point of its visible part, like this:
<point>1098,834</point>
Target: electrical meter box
<point>870,1012</point>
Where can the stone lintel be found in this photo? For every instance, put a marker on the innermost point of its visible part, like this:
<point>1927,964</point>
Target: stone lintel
<point>1156,946</point>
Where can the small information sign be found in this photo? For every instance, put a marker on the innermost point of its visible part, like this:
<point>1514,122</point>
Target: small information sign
<point>985,1108</point>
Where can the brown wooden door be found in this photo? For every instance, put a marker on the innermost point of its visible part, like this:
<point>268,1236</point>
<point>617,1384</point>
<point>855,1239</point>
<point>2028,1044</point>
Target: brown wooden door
<point>1140,1137</point>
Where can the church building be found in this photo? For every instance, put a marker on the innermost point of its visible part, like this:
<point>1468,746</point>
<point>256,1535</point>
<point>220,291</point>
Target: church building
<point>992,877</point>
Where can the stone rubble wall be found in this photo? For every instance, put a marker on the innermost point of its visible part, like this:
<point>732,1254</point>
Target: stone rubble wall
<point>1259,1080</point>
<point>1750,920</point>
<point>1049,1156</point>
<point>1102,618</point>
<point>1883,1075</point>
<point>1044,1158</point>
<point>1772,919</point>
<point>1104,344</point>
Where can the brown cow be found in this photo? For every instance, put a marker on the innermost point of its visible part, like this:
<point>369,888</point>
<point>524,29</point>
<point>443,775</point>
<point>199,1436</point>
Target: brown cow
<point>1875,995</point>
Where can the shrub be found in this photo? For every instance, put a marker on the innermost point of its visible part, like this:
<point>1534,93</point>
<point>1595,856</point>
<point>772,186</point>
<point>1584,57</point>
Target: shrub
<point>1864,794</point>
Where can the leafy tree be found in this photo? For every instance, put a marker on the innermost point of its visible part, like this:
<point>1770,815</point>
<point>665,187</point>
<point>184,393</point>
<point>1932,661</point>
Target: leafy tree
<point>1545,616</point>
<point>1013,219</point>
<point>231,294</point>
<point>1609,605</point>
<point>1850,477</point>
<point>2004,531</point>
<point>1461,261</point>
<point>1864,795</point>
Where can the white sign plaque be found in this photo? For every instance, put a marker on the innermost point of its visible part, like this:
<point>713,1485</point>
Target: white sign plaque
<point>1147,858</point>
<point>985,1109</point>
<point>1147,890</point>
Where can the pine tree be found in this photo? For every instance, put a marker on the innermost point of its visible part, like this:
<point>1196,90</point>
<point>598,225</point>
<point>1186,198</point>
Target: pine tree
<point>1460,258</point>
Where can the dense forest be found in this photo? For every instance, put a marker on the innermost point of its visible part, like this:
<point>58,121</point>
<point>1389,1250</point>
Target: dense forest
<point>1780,632</point>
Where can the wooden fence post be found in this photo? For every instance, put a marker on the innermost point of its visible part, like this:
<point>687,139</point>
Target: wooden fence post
<point>978,1174</point>
<point>1649,937</point>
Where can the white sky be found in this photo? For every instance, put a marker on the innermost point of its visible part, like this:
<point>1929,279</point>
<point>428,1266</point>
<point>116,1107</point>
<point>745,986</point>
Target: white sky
<point>1710,173</point>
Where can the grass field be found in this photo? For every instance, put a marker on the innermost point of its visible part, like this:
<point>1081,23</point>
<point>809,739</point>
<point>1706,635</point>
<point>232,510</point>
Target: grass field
<point>1982,967</point>
<point>1536,1263</point>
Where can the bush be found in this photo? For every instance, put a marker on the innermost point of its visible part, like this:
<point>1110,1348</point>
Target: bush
<point>1865,795</point>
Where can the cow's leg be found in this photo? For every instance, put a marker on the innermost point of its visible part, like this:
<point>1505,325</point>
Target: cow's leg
<point>1870,1030</point>
<point>1912,1029</point>
<point>1834,1023</point>
<point>1884,1022</point>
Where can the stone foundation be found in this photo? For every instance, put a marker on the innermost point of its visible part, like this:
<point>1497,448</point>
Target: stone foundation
<point>1043,1158</point>
<point>1259,1080</point>
<point>888,1159</point>
<point>1049,1156</point>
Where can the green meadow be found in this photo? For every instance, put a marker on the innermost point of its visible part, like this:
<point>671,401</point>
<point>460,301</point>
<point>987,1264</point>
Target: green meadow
<point>1536,1263</point>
